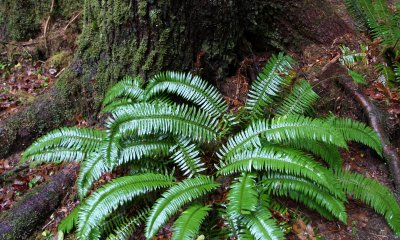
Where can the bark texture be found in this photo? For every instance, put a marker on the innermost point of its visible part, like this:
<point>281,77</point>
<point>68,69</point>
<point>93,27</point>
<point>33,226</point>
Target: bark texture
<point>142,37</point>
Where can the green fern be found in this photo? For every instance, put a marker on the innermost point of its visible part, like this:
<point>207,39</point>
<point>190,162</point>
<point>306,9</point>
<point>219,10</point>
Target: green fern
<point>187,226</point>
<point>149,135</point>
<point>269,83</point>
<point>190,87</point>
<point>127,89</point>
<point>299,101</point>
<point>116,193</point>
<point>174,199</point>
<point>374,194</point>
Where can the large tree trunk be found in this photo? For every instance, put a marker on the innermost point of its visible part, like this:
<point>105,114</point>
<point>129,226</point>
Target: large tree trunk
<point>143,37</point>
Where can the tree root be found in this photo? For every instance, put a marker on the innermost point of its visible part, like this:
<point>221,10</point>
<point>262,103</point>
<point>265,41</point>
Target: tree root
<point>334,69</point>
<point>31,212</point>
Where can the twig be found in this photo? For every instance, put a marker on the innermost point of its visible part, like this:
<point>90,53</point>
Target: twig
<point>59,73</point>
<point>72,20</point>
<point>47,24</point>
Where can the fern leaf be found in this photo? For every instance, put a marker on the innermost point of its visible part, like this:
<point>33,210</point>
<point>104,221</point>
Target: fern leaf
<point>70,221</point>
<point>371,192</point>
<point>91,170</point>
<point>187,226</point>
<point>147,147</point>
<point>302,190</point>
<point>357,78</point>
<point>128,88</point>
<point>288,161</point>
<point>299,101</point>
<point>191,88</point>
<point>78,140</point>
<point>243,196</point>
<point>125,228</point>
<point>329,153</point>
<point>283,129</point>
<point>262,226</point>
<point>268,84</point>
<point>106,199</point>
<point>172,200</point>
<point>357,131</point>
<point>187,157</point>
<point>144,119</point>
<point>113,106</point>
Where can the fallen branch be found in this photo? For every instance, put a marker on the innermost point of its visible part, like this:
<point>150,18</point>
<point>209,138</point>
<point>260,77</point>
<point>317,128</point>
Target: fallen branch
<point>373,114</point>
<point>33,210</point>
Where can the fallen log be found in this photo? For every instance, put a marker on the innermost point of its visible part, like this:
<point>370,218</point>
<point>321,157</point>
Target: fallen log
<point>31,212</point>
<point>339,73</point>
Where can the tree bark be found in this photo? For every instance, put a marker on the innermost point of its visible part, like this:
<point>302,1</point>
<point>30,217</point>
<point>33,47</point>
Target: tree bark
<point>142,37</point>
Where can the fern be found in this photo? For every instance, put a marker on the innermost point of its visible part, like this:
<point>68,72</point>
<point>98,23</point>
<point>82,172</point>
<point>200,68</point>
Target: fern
<point>181,120</point>
<point>243,196</point>
<point>106,199</point>
<point>349,58</point>
<point>374,194</point>
<point>71,143</point>
<point>187,226</point>
<point>127,89</point>
<point>174,199</point>
<point>69,222</point>
<point>190,87</point>
<point>187,157</point>
<point>303,190</point>
<point>357,78</point>
<point>126,227</point>
<point>283,129</point>
<point>261,226</point>
<point>268,84</point>
<point>148,132</point>
<point>299,101</point>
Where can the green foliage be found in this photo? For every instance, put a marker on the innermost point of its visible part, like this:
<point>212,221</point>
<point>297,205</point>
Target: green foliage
<point>151,134</point>
<point>349,58</point>
<point>382,22</point>
<point>357,77</point>
<point>188,224</point>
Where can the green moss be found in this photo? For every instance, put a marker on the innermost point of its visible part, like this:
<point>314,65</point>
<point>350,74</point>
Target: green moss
<point>142,8</point>
<point>60,59</point>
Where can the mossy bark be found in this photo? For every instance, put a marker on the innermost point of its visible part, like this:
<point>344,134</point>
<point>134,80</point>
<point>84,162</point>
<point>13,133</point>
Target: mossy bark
<point>29,214</point>
<point>142,37</point>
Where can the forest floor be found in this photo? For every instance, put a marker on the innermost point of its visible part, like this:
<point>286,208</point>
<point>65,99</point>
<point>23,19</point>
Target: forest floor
<point>25,78</point>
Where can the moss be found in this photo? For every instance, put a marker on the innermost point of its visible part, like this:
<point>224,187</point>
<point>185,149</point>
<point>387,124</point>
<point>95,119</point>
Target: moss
<point>142,8</point>
<point>60,60</point>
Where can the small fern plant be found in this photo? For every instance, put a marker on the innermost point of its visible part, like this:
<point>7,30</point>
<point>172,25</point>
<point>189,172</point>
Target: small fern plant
<point>188,159</point>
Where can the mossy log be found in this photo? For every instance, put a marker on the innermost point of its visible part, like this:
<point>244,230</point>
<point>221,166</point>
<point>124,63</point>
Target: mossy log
<point>30,213</point>
<point>209,38</point>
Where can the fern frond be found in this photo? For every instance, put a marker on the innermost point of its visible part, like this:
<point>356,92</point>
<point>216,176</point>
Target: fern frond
<point>268,84</point>
<point>78,140</point>
<point>146,147</point>
<point>187,157</point>
<point>125,228</point>
<point>357,77</point>
<point>174,198</point>
<point>91,170</point>
<point>243,196</point>
<point>357,131</point>
<point>58,155</point>
<point>283,129</point>
<point>349,58</point>
<point>302,190</point>
<point>289,161</point>
<point>119,191</point>
<point>70,221</point>
<point>371,192</point>
<point>189,87</point>
<point>127,88</point>
<point>329,153</point>
<point>299,101</point>
<point>113,106</point>
<point>262,226</point>
<point>187,226</point>
<point>181,120</point>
